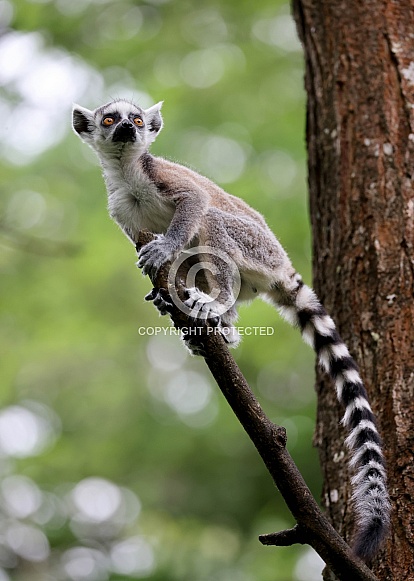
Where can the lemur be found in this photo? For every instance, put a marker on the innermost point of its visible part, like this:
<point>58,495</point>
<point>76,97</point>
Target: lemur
<point>186,209</point>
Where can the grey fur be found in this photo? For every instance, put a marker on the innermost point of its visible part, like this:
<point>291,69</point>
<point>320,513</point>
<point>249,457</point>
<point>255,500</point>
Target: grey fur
<point>186,209</point>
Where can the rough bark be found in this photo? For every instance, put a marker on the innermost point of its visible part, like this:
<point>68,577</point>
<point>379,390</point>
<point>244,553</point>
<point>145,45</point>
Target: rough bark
<point>360,136</point>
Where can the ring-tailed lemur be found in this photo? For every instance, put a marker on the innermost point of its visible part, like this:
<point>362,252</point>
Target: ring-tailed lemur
<point>186,209</point>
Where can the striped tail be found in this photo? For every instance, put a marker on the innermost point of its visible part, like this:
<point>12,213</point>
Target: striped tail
<point>301,307</point>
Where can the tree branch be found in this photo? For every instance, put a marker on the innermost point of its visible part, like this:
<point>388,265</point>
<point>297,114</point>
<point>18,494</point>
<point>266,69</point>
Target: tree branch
<point>270,441</point>
<point>285,538</point>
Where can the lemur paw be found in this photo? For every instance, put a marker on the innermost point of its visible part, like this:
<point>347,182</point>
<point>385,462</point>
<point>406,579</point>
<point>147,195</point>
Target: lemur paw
<point>154,254</point>
<point>202,306</point>
<point>160,299</point>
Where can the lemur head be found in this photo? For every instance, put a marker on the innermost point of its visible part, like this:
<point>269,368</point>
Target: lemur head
<point>118,124</point>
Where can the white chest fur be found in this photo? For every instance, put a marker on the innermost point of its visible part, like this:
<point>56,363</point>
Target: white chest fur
<point>134,201</point>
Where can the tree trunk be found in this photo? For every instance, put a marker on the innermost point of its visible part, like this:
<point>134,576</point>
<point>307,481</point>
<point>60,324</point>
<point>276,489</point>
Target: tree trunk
<point>360,136</point>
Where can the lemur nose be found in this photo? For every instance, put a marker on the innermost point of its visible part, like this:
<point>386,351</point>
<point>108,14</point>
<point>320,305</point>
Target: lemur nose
<point>126,123</point>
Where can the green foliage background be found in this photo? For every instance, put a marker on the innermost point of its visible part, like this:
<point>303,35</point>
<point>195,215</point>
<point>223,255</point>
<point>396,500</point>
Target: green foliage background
<point>129,410</point>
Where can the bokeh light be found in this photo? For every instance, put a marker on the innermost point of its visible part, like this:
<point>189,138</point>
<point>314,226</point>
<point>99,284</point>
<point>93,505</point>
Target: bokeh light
<point>27,542</point>
<point>309,566</point>
<point>134,557</point>
<point>47,82</point>
<point>96,499</point>
<point>26,432</point>
<point>85,564</point>
<point>22,497</point>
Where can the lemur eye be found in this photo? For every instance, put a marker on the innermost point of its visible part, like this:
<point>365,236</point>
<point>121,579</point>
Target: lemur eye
<point>138,121</point>
<point>108,121</point>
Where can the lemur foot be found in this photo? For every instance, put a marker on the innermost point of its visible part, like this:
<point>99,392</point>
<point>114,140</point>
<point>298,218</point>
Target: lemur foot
<point>160,299</point>
<point>202,306</point>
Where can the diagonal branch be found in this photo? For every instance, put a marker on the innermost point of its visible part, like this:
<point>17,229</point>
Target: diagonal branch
<point>270,441</point>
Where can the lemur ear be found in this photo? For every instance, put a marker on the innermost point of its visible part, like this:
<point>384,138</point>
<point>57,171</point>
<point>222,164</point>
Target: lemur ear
<point>82,121</point>
<point>153,117</point>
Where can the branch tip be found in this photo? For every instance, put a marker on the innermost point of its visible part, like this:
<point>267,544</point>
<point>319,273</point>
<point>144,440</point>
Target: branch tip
<point>285,538</point>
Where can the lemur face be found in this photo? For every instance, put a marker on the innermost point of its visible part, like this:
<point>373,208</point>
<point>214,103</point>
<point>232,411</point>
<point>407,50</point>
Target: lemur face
<point>117,123</point>
<point>122,122</point>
